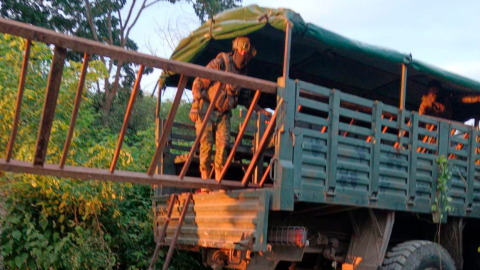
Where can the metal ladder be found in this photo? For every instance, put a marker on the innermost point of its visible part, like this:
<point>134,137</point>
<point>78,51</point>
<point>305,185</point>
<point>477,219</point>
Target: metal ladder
<point>161,238</point>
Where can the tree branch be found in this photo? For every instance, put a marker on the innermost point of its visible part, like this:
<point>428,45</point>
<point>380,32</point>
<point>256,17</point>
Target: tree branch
<point>129,14</point>
<point>92,26</point>
<point>134,22</point>
<point>109,23</point>
<point>156,1</point>
<point>90,20</point>
<point>121,26</point>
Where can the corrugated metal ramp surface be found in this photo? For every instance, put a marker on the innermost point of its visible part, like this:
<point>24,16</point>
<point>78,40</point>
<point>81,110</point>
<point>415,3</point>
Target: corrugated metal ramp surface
<point>233,220</point>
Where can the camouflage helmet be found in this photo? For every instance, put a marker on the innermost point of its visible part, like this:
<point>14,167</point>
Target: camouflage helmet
<point>243,43</point>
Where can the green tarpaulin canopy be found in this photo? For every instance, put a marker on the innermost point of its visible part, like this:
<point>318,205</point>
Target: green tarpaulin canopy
<point>318,56</point>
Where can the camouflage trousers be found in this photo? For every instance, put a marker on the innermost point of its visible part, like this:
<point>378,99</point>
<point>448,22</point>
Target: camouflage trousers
<point>218,130</point>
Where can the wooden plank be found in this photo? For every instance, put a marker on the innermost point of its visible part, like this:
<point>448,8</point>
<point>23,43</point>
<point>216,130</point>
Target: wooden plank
<point>412,170</point>
<point>393,185</point>
<point>238,140</point>
<point>356,100</point>
<point>306,87</point>
<point>471,169</point>
<point>76,107</point>
<point>18,107</point>
<point>312,133</point>
<point>389,137</point>
<point>312,160</point>
<point>346,152</point>
<point>393,173</point>
<point>375,150</point>
<point>354,129</point>
<point>341,164</point>
<point>390,109</point>
<point>117,176</point>
<point>460,127</point>
<point>460,140</point>
<point>183,137</point>
<point>314,147</point>
<point>123,130</point>
<point>309,103</point>
<point>393,150</point>
<point>354,142</point>
<point>302,117</point>
<point>332,143</point>
<point>395,162</point>
<point>428,119</point>
<point>299,159</point>
<point>462,153</point>
<point>355,115</point>
<point>423,131</point>
<point>51,96</point>
<point>263,143</point>
<point>312,173</point>
<point>91,47</point>
<point>428,146</point>
<point>259,131</point>
<point>167,128</point>
<point>459,163</point>
<point>388,123</point>
<point>443,137</point>
<point>286,53</point>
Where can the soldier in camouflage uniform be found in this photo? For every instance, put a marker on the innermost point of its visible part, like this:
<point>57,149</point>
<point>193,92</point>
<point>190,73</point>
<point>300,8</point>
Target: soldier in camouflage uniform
<point>218,126</point>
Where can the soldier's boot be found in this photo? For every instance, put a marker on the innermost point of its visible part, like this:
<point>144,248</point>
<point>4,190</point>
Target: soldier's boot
<point>205,174</point>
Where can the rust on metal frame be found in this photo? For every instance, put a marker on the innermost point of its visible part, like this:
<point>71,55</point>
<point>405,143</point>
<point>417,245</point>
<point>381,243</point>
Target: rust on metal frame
<point>238,140</point>
<point>76,107</point>
<point>18,108</point>
<point>263,143</point>
<point>161,237</point>
<point>265,174</point>
<point>93,47</point>
<point>177,232</point>
<point>51,96</point>
<point>117,176</point>
<point>168,124</point>
<point>133,97</point>
<point>206,118</point>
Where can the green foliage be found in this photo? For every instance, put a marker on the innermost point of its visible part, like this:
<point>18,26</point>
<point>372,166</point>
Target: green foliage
<point>206,9</point>
<point>442,203</point>
<point>53,223</point>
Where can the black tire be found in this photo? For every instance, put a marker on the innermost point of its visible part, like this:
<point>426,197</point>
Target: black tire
<point>418,255</point>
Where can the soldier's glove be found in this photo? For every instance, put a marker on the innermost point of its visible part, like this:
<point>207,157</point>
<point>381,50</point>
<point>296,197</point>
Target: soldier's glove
<point>194,111</point>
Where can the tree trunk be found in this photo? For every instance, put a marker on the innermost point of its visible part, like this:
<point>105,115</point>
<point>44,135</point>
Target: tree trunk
<point>111,93</point>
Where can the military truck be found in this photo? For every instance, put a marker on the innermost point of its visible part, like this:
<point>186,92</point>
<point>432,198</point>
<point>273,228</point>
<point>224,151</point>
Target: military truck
<point>356,178</point>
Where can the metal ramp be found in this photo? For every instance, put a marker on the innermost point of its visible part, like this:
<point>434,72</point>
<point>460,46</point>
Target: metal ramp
<point>63,43</point>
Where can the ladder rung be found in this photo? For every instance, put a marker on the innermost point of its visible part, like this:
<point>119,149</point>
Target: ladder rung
<point>173,218</point>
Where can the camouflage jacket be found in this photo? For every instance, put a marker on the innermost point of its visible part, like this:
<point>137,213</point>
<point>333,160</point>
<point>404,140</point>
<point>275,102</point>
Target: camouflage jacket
<point>230,95</point>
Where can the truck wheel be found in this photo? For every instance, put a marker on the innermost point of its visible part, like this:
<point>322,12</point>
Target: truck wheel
<point>418,255</point>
